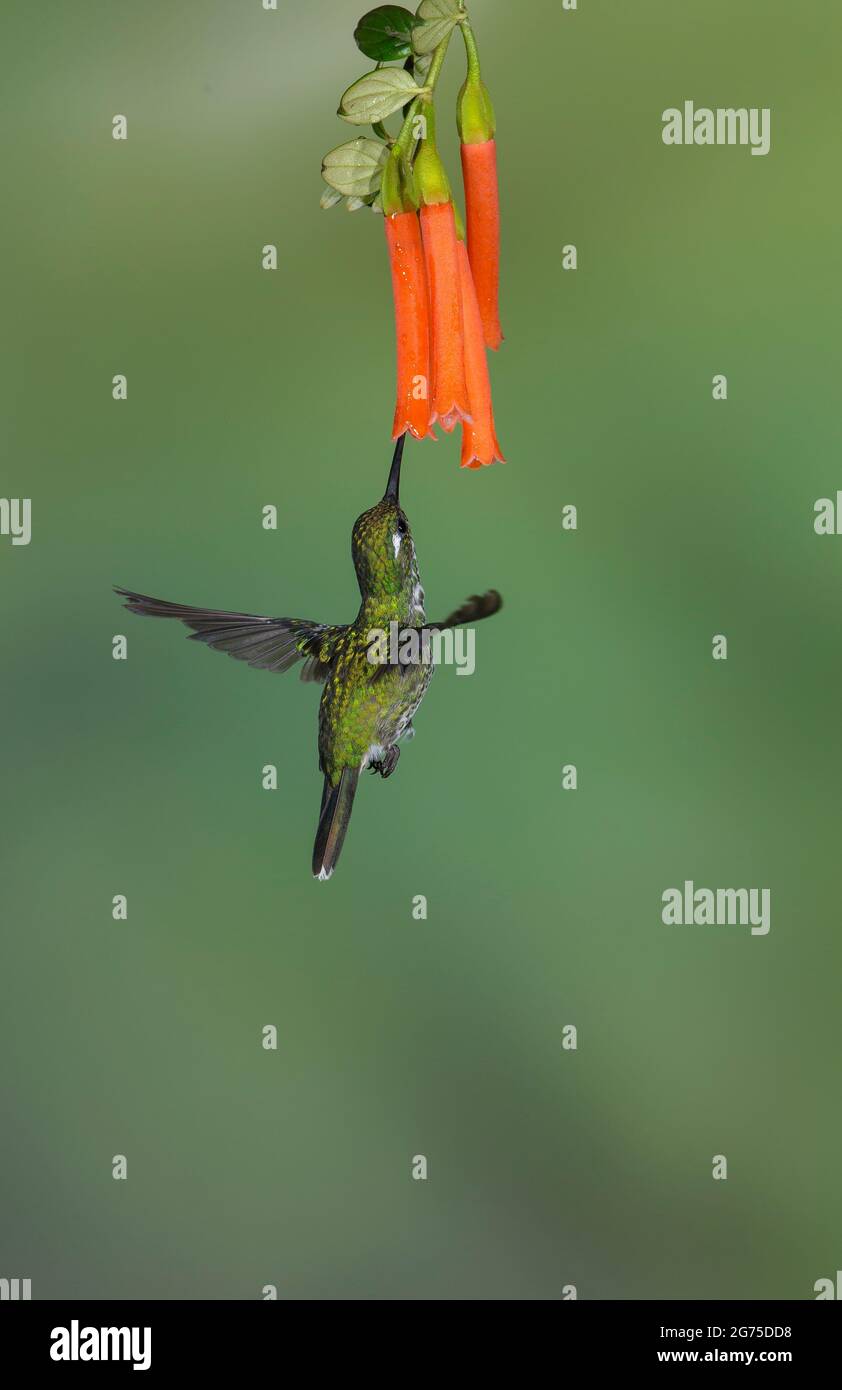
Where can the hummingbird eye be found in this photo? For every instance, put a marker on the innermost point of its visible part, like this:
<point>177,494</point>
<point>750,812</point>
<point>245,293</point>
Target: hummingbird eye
<point>402,527</point>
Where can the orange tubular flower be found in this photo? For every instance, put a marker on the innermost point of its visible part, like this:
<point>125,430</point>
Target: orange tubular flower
<point>479,438</point>
<point>477,124</point>
<point>412,326</point>
<point>482,209</point>
<point>450,392</point>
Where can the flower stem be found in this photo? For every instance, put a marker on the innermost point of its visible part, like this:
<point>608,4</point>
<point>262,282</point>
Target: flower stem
<point>403,149</point>
<point>438,59</point>
<point>403,141</point>
<point>471,51</point>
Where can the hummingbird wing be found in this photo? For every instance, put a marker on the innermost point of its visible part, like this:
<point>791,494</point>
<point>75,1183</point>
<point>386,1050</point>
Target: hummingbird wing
<point>473,610</point>
<point>270,644</point>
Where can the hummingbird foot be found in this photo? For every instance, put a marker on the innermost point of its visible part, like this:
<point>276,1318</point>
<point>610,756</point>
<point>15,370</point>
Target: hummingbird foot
<point>387,764</point>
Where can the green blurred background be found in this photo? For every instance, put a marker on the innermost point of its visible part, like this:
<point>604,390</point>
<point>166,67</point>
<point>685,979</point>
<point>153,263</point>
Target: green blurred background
<point>443,1037</point>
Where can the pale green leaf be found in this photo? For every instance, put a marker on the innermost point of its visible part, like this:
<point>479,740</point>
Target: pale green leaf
<point>355,169</point>
<point>437,18</point>
<point>377,95</point>
<point>440,9</point>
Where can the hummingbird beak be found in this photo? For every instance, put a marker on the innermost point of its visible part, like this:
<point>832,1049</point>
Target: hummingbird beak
<point>391,493</point>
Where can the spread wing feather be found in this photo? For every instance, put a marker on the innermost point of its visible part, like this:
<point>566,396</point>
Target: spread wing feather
<point>269,644</point>
<point>473,610</point>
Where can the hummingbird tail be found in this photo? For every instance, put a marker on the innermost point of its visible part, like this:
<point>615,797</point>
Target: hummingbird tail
<point>337,804</point>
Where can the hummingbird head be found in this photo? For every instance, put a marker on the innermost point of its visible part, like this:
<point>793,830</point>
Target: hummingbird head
<point>381,542</point>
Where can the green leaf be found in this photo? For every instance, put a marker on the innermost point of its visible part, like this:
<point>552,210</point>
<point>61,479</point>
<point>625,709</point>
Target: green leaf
<point>385,34</point>
<point>355,169</point>
<point>437,18</point>
<point>440,9</point>
<point>330,198</point>
<point>377,95</point>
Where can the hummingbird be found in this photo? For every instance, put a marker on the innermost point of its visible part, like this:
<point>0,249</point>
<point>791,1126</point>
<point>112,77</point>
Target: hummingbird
<point>367,705</point>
